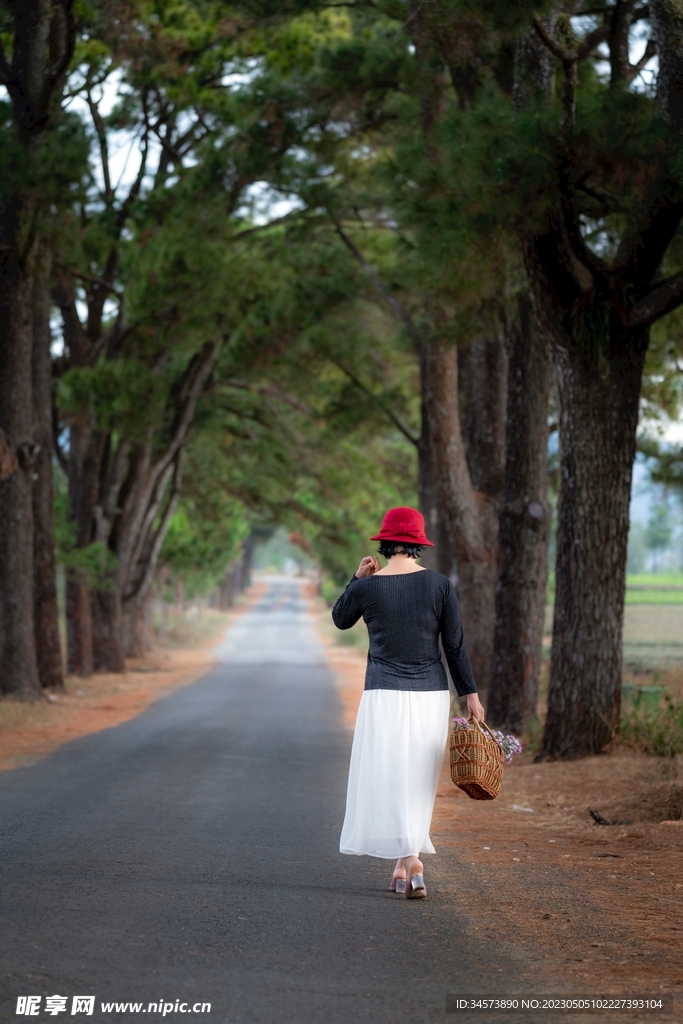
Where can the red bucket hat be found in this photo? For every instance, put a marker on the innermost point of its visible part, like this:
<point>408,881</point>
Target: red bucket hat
<point>403,524</point>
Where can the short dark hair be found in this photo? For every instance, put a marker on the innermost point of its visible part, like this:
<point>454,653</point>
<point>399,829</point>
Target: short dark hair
<point>388,548</point>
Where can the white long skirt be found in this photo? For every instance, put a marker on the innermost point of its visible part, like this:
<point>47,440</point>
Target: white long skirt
<point>396,758</point>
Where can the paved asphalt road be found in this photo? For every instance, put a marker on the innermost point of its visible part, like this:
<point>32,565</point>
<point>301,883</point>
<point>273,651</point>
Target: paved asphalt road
<point>192,854</point>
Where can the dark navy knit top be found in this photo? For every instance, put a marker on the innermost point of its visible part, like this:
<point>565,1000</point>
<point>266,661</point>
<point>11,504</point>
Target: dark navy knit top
<point>405,615</point>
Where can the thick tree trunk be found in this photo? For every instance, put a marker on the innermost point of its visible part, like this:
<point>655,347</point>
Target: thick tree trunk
<point>599,397</point>
<point>247,561</point>
<point>426,493</point>
<point>524,526</point>
<point>134,629</point>
<point>226,591</point>
<point>140,578</point>
<point>133,513</point>
<point>483,373</point>
<point>138,619</point>
<point>79,660</point>
<point>440,557</point>
<point>147,618</point>
<point>86,449</point>
<point>470,517</point>
<point>107,631</point>
<point>18,665</point>
<point>598,313</point>
<point>46,621</point>
<point>41,47</point>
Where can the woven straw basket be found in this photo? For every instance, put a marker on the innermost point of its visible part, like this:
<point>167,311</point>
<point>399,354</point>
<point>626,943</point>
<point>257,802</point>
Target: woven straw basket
<point>477,761</point>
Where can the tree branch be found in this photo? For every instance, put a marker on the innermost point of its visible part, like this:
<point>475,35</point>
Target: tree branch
<point>397,308</point>
<point>94,279</point>
<point>569,55</point>
<point>154,538</point>
<point>136,186</point>
<point>649,234</point>
<point>604,204</point>
<point>660,301</point>
<point>265,389</point>
<point>585,264</point>
<point>593,39</point>
<point>563,53</point>
<point>101,132</point>
<point>395,419</point>
<point>5,71</point>
<point>264,227</point>
<point>650,52</point>
<point>62,63</point>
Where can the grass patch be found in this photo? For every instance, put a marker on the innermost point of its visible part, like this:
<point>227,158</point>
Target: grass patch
<point>654,579</point>
<point>531,742</point>
<point>654,588</point>
<point>654,732</point>
<point>19,714</point>
<point>194,630</point>
<point>672,596</point>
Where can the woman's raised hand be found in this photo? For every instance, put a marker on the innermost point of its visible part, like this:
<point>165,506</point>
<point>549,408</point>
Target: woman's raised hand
<point>475,707</point>
<point>368,565</point>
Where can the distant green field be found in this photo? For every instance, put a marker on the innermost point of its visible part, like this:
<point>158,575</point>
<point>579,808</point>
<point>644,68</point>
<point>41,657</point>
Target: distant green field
<point>645,588</point>
<point>655,579</point>
<point>653,635</point>
<point>654,588</point>
<point>637,596</point>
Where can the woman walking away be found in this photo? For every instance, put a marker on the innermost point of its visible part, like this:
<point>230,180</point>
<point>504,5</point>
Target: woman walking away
<point>402,723</point>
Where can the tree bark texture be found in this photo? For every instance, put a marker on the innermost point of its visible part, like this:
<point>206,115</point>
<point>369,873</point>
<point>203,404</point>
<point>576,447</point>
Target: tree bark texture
<point>42,44</point>
<point>483,371</point>
<point>18,665</point>
<point>227,590</point>
<point>151,496</point>
<point>470,516</point>
<point>138,620</point>
<point>598,312</point>
<point>247,561</point>
<point>84,461</point>
<point>524,528</point>
<point>139,578</point>
<point>46,620</point>
<point>667,24</point>
<point>79,659</point>
<point>439,558</point>
<point>598,422</point>
<point>599,363</point>
<point>86,451</point>
<point>139,631</point>
<point>107,630</point>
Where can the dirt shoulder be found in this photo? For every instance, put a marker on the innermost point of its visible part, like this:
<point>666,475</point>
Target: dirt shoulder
<point>29,732</point>
<point>598,907</point>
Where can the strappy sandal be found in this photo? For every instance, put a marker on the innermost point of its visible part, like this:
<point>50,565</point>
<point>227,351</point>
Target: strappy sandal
<point>398,885</point>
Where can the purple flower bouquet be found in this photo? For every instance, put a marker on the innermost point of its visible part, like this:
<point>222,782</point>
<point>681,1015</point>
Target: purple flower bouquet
<point>510,745</point>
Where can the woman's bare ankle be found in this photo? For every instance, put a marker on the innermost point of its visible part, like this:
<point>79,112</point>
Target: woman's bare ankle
<point>400,868</point>
<point>413,866</point>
